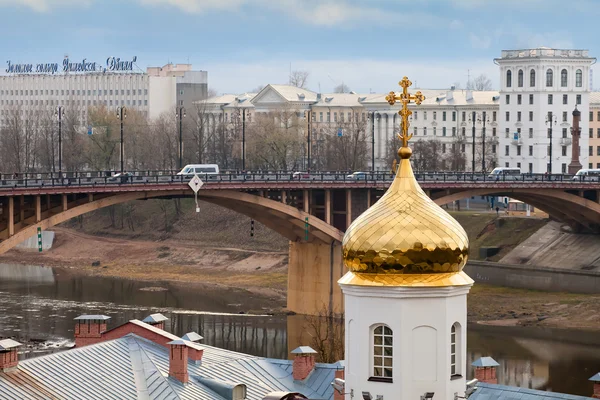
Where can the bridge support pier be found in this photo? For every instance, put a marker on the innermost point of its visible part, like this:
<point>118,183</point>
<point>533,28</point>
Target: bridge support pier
<point>313,272</point>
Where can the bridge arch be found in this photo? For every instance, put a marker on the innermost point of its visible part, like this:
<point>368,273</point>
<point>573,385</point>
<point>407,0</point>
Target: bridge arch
<point>283,219</point>
<point>578,212</point>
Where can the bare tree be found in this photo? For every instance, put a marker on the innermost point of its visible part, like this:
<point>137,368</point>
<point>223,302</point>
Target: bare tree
<point>327,336</point>
<point>455,157</point>
<point>346,147</point>
<point>341,88</point>
<point>482,82</point>
<point>299,78</point>
<point>257,89</point>
<point>491,154</point>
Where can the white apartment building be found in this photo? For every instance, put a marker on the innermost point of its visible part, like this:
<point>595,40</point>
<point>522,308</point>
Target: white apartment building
<point>79,86</point>
<point>540,88</point>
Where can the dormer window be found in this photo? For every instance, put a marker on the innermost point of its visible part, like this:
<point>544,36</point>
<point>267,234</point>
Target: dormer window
<point>382,353</point>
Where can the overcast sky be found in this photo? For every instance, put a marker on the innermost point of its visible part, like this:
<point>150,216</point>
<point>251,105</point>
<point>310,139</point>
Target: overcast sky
<point>367,44</point>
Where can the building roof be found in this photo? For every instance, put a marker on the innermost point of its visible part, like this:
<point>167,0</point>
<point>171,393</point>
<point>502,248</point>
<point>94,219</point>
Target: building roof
<point>303,350</point>
<point>595,378</point>
<point>487,391</point>
<point>485,362</point>
<point>7,344</point>
<point>154,318</point>
<point>293,93</point>
<point>595,99</point>
<point>341,100</point>
<point>439,97</point>
<point>132,367</point>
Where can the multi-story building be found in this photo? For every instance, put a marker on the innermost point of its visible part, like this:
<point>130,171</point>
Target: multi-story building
<point>29,89</point>
<point>539,89</point>
<point>594,132</point>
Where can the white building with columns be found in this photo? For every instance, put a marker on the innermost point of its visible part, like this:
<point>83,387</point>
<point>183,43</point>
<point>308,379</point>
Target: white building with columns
<point>540,88</point>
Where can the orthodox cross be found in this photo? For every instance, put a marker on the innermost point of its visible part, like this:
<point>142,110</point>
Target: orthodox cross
<point>404,112</point>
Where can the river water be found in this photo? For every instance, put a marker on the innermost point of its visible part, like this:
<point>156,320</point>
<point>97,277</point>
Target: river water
<point>38,304</point>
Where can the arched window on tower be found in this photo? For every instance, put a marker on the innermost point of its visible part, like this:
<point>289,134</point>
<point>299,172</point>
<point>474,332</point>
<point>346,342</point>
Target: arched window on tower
<point>532,78</point>
<point>455,351</point>
<point>578,78</point>
<point>563,78</point>
<point>382,352</point>
<point>549,78</point>
<point>508,78</point>
<point>520,78</point>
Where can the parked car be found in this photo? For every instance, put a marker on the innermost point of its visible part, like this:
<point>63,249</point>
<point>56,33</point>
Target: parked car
<point>357,175</point>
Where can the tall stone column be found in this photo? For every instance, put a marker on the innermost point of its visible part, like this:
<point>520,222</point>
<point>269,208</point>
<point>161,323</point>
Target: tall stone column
<point>575,165</point>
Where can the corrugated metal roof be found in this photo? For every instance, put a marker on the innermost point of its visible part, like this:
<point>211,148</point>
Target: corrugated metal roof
<point>486,391</point>
<point>595,378</point>
<point>92,318</point>
<point>485,362</point>
<point>132,367</point>
<point>6,344</point>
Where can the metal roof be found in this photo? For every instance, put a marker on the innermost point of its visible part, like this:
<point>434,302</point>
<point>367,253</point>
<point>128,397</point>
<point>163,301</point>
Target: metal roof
<point>303,350</point>
<point>485,362</point>
<point>132,367</point>
<point>155,318</point>
<point>595,378</point>
<point>92,318</point>
<point>7,344</point>
<point>192,337</point>
<point>487,391</point>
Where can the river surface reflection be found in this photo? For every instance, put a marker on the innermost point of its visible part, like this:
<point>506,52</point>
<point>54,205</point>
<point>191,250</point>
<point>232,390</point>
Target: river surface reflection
<point>38,304</point>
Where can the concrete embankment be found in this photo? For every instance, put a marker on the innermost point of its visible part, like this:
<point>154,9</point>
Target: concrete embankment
<point>534,277</point>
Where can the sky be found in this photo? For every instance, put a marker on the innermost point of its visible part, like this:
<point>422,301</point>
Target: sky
<point>366,44</point>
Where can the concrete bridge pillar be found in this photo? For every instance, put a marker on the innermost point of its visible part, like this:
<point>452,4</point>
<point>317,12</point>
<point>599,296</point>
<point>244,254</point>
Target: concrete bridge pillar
<point>313,272</point>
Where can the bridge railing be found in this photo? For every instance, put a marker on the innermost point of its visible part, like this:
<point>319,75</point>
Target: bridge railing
<point>169,177</point>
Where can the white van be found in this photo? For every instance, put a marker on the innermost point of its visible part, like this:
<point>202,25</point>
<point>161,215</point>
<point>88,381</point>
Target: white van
<point>503,173</point>
<point>200,169</point>
<point>583,173</point>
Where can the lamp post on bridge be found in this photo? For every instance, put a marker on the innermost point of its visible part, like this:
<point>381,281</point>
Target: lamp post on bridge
<point>308,115</point>
<point>474,118</point>
<point>122,114</point>
<point>550,120</point>
<point>372,117</point>
<point>180,112</point>
<point>59,113</point>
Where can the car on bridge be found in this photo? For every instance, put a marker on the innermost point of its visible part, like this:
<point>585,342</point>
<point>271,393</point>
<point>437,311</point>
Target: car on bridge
<point>300,175</point>
<point>357,176</point>
<point>121,177</point>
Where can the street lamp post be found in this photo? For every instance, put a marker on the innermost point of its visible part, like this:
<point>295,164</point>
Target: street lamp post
<point>474,118</point>
<point>484,119</point>
<point>550,120</point>
<point>372,116</point>
<point>60,112</point>
<point>122,114</point>
<point>180,112</point>
<point>244,140</point>
<point>308,142</point>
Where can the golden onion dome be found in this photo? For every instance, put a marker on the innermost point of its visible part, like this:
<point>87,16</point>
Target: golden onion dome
<point>405,239</point>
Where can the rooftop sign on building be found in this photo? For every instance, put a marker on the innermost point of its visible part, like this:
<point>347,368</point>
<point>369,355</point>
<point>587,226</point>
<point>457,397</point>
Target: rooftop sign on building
<point>113,64</point>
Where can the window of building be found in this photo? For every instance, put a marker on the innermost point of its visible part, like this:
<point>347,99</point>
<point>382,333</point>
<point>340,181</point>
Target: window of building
<point>453,131</point>
<point>591,150</point>
<point>434,130</point>
<point>444,131</point>
<point>507,116</point>
<point>519,98</point>
<point>598,150</point>
<point>443,115</point>
<point>520,78</point>
<point>591,132</point>
<point>519,165</point>
<point>565,99</point>
<point>453,115</point>
<point>564,116</point>
<point>464,116</point>
<point>382,352</point>
<point>518,116</point>
<point>518,150</point>
<point>455,350</point>
<point>597,116</point>
<point>578,78</point>
<point>592,116</point>
<point>530,115</point>
<point>425,115</point>
<point>564,151</point>
<point>443,147</point>
<point>530,99</point>
<point>415,115</point>
<point>434,115</point>
<point>494,131</point>
<point>550,99</point>
<point>494,116</point>
<point>549,77</point>
<point>415,132</point>
<point>564,133</point>
<point>563,78</point>
<point>462,147</point>
<point>507,164</point>
<point>508,99</point>
<point>508,78</point>
<point>531,150</point>
<point>493,149</point>
<point>507,133</point>
<point>464,131</point>
<point>335,117</point>
<point>507,150</point>
<point>598,132</point>
<point>425,131</point>
<point>578,99</point>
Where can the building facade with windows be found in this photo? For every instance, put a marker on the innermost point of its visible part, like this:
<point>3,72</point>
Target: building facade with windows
<point>158,90</point>
<point>593,132</point>
<point>539,90</point>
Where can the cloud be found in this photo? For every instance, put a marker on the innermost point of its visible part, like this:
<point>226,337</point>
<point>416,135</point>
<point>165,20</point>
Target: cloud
<point>479,41</point>
<point>42,6</point>
<point>360,75</point>
<point>198,6</point>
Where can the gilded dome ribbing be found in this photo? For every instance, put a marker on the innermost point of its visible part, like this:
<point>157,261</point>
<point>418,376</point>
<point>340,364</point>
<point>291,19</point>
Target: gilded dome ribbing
<point>405,239</point>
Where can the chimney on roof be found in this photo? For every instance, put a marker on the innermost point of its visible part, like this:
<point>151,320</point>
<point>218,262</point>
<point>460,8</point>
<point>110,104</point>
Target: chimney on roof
<point>156,320</point>
<point>596,380</point>
<point>195,352</point>
<point>469,95</point>
<point>450,94</point>
<point>339,376</point>
<point>304,362</point>
<point>485,370</point>
<point>89,329</point>
<point>178,360</point>
<point>9,358</point>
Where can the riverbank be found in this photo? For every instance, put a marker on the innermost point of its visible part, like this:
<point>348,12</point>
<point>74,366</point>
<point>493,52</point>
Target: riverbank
<point>264,274</point>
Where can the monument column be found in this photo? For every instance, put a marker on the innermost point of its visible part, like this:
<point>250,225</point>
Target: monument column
<point>575,165</point>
